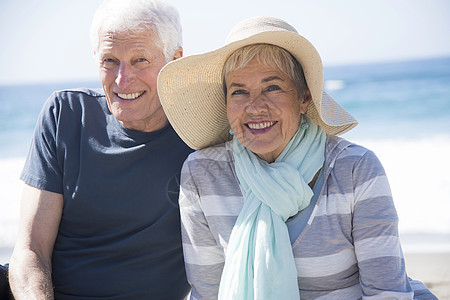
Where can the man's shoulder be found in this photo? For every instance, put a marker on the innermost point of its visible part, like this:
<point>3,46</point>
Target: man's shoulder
<point>76,99</point>
<point>80,93</point>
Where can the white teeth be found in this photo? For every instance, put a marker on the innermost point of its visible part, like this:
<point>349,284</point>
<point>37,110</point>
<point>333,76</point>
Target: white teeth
<point>260,125</point>
<point>131,96</point>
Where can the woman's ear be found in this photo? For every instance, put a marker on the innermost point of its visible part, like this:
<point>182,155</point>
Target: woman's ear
<point>306,100</point>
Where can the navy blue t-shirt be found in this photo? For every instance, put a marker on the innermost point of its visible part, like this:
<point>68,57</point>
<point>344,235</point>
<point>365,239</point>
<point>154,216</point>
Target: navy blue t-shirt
<point>119,236</point>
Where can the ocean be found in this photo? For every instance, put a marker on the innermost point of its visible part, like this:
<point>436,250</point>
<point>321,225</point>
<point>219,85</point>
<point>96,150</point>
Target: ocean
<point>404,113</point>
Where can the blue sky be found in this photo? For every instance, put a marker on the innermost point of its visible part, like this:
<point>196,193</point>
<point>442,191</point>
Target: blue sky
<point>48,41</point>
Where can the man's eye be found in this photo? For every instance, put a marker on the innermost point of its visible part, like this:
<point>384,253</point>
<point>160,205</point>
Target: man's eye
<point>108,61</point>
<point>140,60</point>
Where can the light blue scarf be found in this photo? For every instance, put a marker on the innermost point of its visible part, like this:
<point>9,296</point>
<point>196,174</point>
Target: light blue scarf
<point>259,260</point>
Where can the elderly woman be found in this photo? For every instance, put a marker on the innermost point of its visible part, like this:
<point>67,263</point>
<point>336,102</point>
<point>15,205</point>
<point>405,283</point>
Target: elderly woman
<point>282,208</point>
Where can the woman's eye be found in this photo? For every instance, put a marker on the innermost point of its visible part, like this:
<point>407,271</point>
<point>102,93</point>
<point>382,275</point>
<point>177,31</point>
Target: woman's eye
<point>238,92</point>
<point>272,88</point>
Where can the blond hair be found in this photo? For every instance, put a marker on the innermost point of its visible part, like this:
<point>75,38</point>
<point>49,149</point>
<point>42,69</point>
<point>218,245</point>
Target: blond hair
<point>269,55</point>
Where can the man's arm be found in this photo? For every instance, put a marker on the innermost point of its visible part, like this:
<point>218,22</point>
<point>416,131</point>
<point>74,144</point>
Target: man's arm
<point>30,266</point>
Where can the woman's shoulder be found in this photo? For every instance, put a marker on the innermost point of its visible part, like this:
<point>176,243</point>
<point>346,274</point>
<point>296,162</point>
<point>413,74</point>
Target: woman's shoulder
<point>221,153</point>
<point>345,156</point>
<point>338,147</point>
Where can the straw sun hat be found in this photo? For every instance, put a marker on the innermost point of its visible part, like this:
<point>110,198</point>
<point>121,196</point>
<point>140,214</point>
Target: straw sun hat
<point>191,93</point>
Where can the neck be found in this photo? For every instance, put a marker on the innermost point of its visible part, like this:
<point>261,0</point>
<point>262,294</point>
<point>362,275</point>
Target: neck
<point>147,126</point>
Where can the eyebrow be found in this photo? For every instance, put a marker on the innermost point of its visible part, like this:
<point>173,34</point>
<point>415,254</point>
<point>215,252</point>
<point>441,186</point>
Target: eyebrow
<point>267,79</point>
<point>237,85</point>
<point>271,78</point>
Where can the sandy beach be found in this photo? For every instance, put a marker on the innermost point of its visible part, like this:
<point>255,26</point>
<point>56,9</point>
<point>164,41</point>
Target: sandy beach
<point>433,269</point>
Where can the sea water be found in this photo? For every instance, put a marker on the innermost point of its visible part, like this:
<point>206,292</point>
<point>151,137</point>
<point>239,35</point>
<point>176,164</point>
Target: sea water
<point>404,113</point>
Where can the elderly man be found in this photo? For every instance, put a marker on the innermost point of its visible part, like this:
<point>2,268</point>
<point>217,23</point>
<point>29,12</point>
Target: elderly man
<point>98,218</point>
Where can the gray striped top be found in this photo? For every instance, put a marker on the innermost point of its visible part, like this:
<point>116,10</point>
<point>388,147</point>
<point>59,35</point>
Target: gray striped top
<point>349,247</point>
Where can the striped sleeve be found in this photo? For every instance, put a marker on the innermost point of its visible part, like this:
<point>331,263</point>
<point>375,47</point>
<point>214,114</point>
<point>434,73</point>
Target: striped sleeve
<point>203,257</point>
<point>375,233</point>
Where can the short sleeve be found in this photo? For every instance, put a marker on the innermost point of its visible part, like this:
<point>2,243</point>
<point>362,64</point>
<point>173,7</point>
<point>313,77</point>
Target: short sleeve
<point>42,168</point>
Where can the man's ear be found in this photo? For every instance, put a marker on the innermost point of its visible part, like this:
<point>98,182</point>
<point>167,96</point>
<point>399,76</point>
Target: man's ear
<point>178,53</point>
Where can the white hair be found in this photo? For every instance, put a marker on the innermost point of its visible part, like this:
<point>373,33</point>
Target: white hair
<point>131,16</point>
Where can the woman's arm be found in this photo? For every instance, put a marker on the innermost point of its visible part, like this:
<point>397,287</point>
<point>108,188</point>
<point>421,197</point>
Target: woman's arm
<point>30,267</point>
<point>375,233</point>
<point>203,257</point>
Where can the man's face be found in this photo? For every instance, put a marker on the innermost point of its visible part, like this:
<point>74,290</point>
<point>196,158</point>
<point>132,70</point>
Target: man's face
<point>129,64</point>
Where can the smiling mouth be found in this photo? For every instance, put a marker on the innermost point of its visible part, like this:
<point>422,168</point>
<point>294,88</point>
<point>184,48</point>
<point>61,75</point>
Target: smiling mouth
<point>130,96</point>
<point>260,126</point>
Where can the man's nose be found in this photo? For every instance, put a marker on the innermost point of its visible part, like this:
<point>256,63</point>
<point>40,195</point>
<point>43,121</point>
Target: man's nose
<point>125,75</point>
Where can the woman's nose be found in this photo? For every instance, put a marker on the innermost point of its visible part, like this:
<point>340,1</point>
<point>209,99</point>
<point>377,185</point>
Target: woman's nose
<point>257,105</point>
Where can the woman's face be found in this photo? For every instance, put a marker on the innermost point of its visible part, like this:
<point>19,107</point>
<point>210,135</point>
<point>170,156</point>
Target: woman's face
<point>263,108</point>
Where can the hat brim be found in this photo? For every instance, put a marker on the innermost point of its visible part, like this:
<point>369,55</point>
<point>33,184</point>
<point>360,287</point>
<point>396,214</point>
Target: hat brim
<point>191,93</point>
